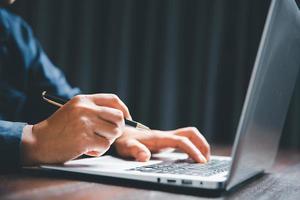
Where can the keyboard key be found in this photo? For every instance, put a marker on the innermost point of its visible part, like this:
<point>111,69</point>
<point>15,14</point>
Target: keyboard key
<point>187,167</point>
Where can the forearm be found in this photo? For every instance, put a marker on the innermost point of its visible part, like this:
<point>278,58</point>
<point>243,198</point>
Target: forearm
<point>26,73</point>
<point>10,144</point>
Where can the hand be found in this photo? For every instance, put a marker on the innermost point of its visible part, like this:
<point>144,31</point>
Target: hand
<point>138,144</point>
<point>87,123</point>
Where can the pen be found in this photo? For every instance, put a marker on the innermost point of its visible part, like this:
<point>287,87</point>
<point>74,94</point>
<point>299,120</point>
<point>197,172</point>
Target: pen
<point>59,102</point>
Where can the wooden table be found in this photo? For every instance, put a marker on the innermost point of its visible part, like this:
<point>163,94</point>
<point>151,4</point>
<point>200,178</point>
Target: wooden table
<point>283,182</point>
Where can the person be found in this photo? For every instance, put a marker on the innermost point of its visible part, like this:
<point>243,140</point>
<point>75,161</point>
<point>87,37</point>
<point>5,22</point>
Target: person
<point>33,133</point>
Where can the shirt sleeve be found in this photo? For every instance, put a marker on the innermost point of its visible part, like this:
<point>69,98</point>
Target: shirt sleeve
<point>10,141</point>
<point>39,73</point>
<point>26,71</point>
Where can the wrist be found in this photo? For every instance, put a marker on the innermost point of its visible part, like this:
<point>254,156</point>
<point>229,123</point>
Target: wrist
<point>28,146</point>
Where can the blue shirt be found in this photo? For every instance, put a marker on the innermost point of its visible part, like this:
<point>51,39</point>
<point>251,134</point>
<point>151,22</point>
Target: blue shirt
<point>25,71</point>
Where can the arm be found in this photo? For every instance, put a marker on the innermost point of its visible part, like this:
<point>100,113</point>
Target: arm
<point>44,76</point>
<point>31,71</point>
<point>10,140</point>
<point>86,122</point>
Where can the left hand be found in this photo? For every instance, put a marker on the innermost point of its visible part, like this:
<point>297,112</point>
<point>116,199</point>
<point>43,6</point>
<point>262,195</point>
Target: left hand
<point>138,143</point>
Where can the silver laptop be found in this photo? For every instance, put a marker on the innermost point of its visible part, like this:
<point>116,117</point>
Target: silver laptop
<point>267,101</point>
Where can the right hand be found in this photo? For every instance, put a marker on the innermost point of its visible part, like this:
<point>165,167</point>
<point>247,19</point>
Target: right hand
<point>86,124</point>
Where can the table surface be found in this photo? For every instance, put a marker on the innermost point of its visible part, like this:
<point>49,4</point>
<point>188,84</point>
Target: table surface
<point>282,182</point>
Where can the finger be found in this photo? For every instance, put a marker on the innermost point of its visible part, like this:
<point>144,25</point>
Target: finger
<point>111,115</point>
<point>106,129</point>
<point>99,144</point>
<point>196,138</point>
<point>93,153</point>
<point>110,100</point>
<point>181,143</point>
<point>133,149</point>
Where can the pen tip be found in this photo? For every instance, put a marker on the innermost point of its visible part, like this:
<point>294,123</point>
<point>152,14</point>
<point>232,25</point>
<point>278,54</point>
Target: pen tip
<point>44,93</point>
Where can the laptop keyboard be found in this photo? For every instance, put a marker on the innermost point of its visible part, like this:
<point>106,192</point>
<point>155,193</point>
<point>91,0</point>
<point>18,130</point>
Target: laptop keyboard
<point>187,167</point>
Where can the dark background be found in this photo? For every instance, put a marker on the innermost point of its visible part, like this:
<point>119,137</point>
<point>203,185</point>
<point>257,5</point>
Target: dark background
<point>174,63</point>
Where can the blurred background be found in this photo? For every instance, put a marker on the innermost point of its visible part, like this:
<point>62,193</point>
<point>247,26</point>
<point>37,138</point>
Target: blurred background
<point>173,62</point>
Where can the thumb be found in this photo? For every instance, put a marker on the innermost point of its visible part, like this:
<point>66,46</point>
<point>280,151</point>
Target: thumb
<point>134,149</point>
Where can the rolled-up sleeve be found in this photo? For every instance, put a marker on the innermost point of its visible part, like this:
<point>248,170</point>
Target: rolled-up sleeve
<point>10,142</point>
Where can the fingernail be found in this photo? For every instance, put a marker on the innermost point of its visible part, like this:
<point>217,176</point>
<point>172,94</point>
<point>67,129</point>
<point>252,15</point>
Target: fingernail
<point>142,156</point>
<point>208,157</point>
<point>202,158</point>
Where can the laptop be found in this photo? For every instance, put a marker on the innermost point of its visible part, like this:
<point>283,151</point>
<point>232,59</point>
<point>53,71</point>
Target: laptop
<point>258,133</point>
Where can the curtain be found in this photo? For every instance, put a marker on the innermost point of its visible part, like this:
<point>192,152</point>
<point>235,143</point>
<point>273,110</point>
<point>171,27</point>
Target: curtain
<point>173,62</point>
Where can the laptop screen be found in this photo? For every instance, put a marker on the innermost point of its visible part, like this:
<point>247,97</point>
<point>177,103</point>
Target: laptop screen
<point>270,90</point>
